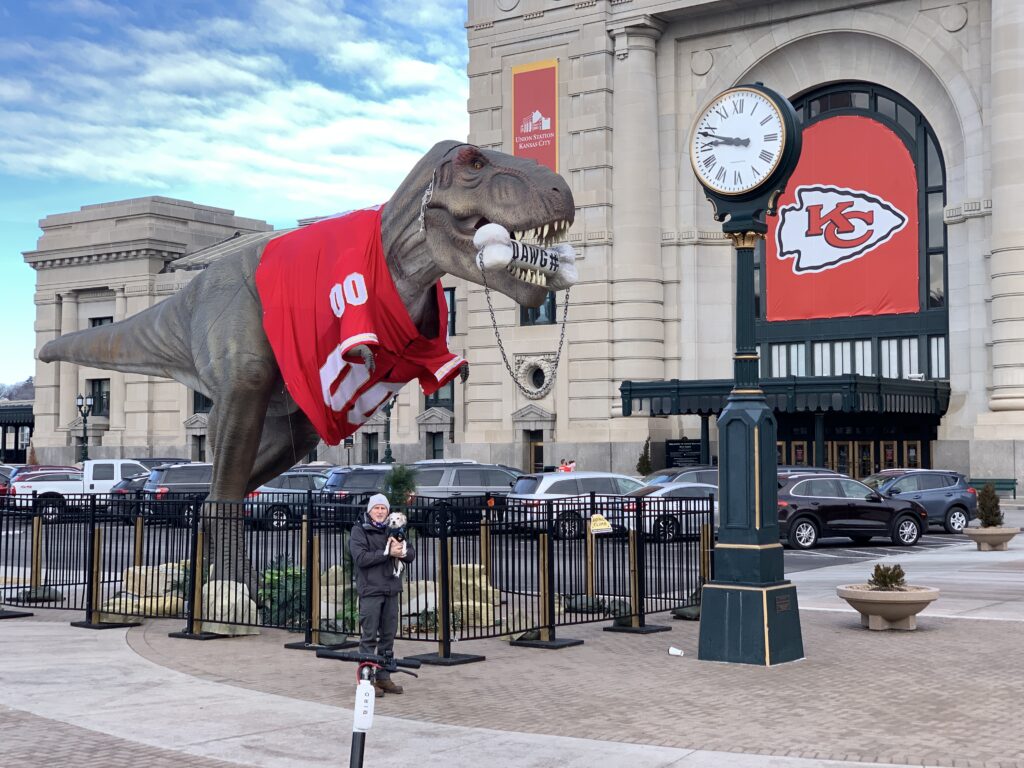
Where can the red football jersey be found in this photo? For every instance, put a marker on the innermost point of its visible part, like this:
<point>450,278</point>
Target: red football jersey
<point>326,288</point>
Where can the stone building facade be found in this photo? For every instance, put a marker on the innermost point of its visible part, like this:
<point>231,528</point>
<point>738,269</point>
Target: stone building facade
<point>656,297</point>
<point>99,265</point>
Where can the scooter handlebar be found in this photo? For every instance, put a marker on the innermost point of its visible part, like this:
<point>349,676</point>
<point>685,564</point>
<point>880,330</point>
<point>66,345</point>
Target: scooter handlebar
<point>372,658</point>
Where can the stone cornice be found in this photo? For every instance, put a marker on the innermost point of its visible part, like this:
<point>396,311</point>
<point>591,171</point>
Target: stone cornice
<point>642,30</point>
<point>435,416</point>
<point>128,251</point>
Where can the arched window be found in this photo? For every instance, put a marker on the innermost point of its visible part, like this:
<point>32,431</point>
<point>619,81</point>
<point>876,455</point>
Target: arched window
<point>919,336</point>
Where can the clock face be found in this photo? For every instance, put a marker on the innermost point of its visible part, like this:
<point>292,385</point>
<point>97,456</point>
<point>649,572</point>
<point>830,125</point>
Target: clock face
<point>737,141</point>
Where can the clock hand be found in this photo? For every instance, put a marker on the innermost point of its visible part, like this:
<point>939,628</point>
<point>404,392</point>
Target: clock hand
<point>729,141</point>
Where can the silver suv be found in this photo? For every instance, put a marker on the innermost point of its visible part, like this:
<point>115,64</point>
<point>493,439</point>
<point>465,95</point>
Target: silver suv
<point>452,478</point>
<point>570,497</point>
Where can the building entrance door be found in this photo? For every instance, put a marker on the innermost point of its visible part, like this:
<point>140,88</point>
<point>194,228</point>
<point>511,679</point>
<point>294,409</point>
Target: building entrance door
<point>535,450</point>
<point>890,457</point>
<point>865,450</point>
<point>840,453</point>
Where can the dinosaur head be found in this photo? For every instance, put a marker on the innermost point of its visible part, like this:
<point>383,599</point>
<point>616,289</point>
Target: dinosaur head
<point>462,188</point>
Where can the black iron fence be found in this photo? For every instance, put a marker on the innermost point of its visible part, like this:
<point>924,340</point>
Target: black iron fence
<point>485,567</point>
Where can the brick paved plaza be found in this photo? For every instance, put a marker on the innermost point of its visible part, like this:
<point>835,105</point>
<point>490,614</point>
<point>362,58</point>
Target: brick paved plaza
<point>945,695</point>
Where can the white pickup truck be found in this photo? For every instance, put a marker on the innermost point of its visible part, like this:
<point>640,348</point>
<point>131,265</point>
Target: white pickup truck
<point>52,487</point>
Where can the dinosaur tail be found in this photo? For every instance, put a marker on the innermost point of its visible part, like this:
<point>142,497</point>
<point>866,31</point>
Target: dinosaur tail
<point>153,342</point>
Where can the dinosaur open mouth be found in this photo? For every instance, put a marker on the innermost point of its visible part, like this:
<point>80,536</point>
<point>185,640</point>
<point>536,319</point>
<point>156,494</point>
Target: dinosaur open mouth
<point>546,234</point>
<point>532,263</point>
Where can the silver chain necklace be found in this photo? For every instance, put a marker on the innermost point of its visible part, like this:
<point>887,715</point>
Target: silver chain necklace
<point>549,381</point>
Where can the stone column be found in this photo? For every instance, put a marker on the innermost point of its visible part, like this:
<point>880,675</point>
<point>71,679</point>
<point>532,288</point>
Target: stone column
<point>638,336</point>
<point>68,371</point>
<point>117,385</point>
<point>1007,159</point>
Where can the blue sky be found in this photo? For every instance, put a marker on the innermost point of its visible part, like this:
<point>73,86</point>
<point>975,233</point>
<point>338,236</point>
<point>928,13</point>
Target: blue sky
<point>278,110</point>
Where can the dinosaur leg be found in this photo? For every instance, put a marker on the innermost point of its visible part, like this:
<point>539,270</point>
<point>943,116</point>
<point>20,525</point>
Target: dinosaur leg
<point>286,440</point>
<point>235,426</point>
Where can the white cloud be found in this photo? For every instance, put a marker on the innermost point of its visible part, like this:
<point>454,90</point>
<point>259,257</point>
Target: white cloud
<point>296,110</point>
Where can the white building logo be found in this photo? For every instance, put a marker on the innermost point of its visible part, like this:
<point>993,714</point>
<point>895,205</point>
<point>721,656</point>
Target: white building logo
<point>830,226</point>
<point>535,122</point>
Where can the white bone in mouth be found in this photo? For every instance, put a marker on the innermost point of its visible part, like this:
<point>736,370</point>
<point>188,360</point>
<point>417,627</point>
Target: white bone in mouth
<point>553,267</point>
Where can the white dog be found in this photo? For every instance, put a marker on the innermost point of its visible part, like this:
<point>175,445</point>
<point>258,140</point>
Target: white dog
<point>396,524</point>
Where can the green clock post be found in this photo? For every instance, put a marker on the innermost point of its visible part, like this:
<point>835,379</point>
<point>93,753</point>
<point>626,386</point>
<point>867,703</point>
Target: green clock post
<point>743,148</point>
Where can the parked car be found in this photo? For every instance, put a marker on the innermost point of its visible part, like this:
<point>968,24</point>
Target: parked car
<point>663,518</point>
<point>174,493</point>
<point>569,493</point>
<point>950,501</point>
<point>150,462</point>
<point>449,479</point>
<point>342,500</point>
<point>44,492</point>
<point>702,473</point>
<point>62,487</point>
<point>126,497</point>
<point>279,502</point>
<point>815,506</point>
<point>792,469</point>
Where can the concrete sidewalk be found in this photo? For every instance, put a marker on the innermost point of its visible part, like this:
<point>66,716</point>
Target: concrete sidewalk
<point>940,696</point>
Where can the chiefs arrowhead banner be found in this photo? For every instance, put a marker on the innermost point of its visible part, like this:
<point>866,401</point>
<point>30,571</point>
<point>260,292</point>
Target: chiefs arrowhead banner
<point>845,240</point>
<point>535,112</point>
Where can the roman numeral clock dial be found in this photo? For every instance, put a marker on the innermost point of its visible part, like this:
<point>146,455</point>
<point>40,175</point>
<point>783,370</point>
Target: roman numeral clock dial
<point>737,141</point>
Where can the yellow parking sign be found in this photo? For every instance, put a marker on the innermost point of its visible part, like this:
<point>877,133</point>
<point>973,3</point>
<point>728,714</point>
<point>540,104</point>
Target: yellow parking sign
<point>599,524</point>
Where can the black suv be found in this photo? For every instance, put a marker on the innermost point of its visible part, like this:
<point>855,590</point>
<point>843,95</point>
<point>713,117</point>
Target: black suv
<point>174,493</point>
<point>812,507</point>
<point>950,501</point>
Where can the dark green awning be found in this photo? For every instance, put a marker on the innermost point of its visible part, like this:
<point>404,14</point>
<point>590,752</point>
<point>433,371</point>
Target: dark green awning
<point>815,394</point>
<point>16,414</point>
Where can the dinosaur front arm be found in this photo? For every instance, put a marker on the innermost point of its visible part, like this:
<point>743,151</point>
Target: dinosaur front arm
<point>367,355</point>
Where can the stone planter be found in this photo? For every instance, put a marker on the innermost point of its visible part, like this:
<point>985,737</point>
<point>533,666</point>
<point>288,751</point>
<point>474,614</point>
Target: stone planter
<point>990,539</point>
<point>888,610</point>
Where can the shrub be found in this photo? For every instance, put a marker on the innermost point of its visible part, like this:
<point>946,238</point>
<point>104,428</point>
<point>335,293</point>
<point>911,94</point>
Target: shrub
<point>282,594</point>
<point>400,485</point>
<point>989,513</point>
<point>643,465</point>
<point>888,578</point>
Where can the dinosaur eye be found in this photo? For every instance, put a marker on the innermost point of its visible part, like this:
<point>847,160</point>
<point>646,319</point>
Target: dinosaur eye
<point>478,164</point>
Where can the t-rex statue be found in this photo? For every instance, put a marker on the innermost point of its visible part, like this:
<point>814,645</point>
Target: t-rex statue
<point>209,336</point>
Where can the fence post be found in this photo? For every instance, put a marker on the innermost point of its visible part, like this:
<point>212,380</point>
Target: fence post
<point>443,573</point>
<point>546,589</point>
<point>7,571</point>
<point>194,611</point>
<point>36,592</point>
<point>311,565</point>
<point>705,564</point>
<point>591,591</point>
<point>94,563</point>
<point>637,581</point>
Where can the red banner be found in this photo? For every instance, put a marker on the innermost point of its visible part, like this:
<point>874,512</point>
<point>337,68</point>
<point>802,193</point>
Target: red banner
<point>845,240</point>
<point>535,112</point>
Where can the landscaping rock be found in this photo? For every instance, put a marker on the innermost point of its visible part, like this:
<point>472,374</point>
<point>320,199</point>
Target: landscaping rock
<point>228,601</point>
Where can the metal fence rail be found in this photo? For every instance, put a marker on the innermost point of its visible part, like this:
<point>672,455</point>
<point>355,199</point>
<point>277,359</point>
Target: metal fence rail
<point>484,567</point>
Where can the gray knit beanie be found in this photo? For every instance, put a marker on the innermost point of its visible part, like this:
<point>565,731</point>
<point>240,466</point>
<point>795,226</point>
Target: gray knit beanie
<point>377,498</point>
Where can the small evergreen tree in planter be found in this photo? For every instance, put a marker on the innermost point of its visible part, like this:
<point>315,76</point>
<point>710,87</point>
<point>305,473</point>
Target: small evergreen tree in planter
<point>989,513</point>
<point>643,464</point>
<point>400,485</point>
<point>886,601</point>
<point>992,535</point>
<point>888,578</point>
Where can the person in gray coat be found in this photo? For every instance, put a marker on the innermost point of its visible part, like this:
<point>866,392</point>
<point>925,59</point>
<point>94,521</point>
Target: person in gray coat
<point>378,585</point>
